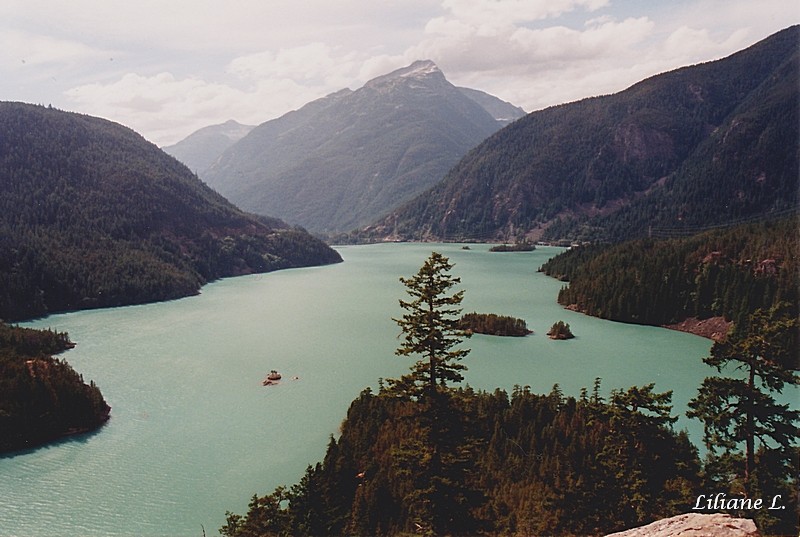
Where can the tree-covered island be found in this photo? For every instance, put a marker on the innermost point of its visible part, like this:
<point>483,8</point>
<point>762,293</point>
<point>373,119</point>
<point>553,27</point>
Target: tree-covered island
<point>560,330</point>
<point>493,324</point>
<point>523,246</point>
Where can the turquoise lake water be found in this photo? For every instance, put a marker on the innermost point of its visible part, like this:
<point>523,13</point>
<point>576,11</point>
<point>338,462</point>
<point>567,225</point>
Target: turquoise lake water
<point>193,433</point>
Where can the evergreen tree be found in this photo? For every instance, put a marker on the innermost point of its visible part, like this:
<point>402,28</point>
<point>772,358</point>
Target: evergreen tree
<point>431,328</point>
<point>739,411</point>
<point>439,458</point>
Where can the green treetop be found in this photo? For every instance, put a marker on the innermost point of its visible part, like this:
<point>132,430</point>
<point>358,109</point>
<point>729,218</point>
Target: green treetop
<point>431,328</point>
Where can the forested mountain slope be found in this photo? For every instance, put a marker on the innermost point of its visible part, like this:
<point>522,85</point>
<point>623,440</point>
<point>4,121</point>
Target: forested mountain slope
<point>93,215</point>
<point>203,147</point>
<point>704,144</point>
<point>725,273</point>
<point>348,158</point>
<point>523,464</point>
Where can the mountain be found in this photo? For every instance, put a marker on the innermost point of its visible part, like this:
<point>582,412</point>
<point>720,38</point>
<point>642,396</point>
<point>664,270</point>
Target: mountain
<point>501,110</point>
<point>200,149</point>
<point>93,215</point>
<point>707,144</point>
<point>348,158</point>
<point>725,273</point>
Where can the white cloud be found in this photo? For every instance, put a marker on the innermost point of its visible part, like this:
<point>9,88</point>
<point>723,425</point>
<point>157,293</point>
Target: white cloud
<point>166,108</point>
<point>686,43</point>
<point>558,44</point>
<point>506,12</point>
<point>160,106</point>
<point>315,64</point>
<point>523,53</point>
<point>212,25</point>
<point>184,64</point>
<point>540,65</point>
<point>23,48</point>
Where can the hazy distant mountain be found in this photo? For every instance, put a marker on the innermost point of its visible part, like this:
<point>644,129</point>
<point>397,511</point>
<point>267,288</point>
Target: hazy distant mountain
<point>348,158</point>
<point>93,215</point>
<point>712,143</point>
<point>200,149</point>
<point>501,110</point>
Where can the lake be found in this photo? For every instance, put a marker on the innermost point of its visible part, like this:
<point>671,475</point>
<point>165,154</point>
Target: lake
<point>193,433</point>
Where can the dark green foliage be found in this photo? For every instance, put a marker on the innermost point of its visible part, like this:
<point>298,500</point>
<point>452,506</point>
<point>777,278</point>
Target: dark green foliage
<point>560,330</point>
<point>516,247</point>
<point>31,342</point>
<point>565,265</point>
<point>702,145</point>
<point>496,325</point>
<point>92,215</point>
<point>728,273</point>
<point>528,464</point>
<point>431,329</point>
<point>42,398</point>
<point>750,435</point>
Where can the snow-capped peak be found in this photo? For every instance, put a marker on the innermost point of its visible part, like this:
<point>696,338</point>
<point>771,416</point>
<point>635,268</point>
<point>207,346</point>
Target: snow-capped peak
<point>421,69</point>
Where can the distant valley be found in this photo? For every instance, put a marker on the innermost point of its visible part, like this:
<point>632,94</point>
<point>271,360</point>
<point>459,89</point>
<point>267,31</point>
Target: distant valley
<point>94,216</point>
<point>347,159</point>
<point>200,149</point>
<point>409,156</point>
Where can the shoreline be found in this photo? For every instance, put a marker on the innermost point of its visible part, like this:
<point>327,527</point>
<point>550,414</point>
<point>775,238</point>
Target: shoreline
<point>714,328</point>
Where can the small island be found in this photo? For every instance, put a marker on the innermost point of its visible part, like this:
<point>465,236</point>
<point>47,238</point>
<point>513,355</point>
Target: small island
<point>523,246</point>
<point>494,325</point>
<point>560,330</point>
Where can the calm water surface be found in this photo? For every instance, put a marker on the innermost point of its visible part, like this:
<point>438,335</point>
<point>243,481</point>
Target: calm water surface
<point>193,433</point>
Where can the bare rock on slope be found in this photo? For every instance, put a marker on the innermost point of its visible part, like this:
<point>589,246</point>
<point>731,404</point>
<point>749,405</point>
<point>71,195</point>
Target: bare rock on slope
<point>695,525</point>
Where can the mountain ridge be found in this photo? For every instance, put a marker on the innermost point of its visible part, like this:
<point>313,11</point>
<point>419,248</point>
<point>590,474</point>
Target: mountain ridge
<point>559,172</point>
<point>201,148</point>
<point>92,215</point>
<point>349,157</point>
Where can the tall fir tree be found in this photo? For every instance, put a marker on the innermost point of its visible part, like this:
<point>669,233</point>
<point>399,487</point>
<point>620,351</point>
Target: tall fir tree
<point>440,459</point>
<point>431,329</point>
<point>739,411</point>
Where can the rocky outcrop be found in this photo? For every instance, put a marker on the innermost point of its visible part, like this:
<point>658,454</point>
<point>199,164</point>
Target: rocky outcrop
<point>695,525</point>
<point>713,328</point>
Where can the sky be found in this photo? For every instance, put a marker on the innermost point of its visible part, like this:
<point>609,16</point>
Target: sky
<point>166,68</point>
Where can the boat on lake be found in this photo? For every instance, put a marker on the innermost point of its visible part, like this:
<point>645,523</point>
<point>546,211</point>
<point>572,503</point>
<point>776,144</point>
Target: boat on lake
<point>272,378</point>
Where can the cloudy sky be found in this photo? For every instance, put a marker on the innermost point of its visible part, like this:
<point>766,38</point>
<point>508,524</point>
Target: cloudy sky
<point>169,67</point>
